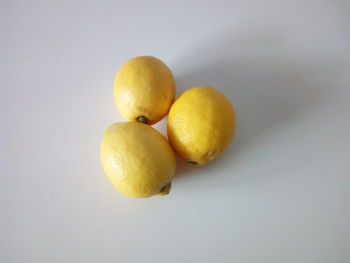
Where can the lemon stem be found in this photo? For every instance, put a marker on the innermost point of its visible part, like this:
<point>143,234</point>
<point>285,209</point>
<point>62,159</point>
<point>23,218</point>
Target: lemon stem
<point>142,119</point>
<point>192,162</point>
<point>165,189</point>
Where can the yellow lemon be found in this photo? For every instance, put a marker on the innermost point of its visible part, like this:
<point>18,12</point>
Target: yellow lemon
<point>144,89</point>
<point>137,159</point>
<point>201,124</point>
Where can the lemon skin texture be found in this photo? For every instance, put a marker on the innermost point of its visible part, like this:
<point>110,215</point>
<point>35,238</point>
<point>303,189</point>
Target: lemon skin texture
<point>144,89</point>
<point>137,159</point>
<point>201,124</point>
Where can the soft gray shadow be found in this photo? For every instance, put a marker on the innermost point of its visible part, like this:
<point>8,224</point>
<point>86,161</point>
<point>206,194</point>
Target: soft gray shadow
<point>266,86</point>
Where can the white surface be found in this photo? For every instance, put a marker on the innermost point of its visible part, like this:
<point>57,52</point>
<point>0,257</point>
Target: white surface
<point>281,192</point>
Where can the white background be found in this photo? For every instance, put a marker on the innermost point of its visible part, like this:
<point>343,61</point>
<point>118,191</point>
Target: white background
<point>279,194</point>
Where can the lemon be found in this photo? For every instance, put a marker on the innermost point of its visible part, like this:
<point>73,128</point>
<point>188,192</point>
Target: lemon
<point>144,89</point>
<point>137,159</point>
<point>201,124</point>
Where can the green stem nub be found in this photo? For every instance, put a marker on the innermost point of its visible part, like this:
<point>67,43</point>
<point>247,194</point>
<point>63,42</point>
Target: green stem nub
<point>142,119</point>
<point>192,162</point>
<point>165,189</point>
